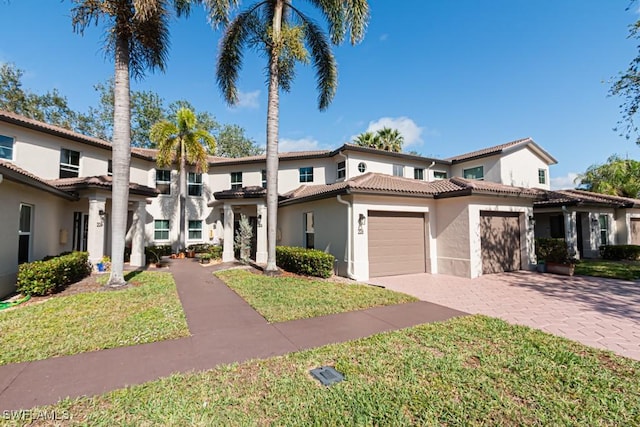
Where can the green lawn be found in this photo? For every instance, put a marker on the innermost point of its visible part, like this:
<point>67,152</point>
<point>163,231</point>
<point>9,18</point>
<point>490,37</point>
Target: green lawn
<point>148,312</point>
<point>467,371</point>
<point>628,270</point>
<point>280,299</point>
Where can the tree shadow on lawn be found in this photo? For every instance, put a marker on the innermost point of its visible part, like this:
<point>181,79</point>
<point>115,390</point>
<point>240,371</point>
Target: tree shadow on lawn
<point>619,298</point>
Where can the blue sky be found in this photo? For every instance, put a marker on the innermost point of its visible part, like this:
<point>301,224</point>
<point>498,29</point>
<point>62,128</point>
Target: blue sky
<point>453,76</point>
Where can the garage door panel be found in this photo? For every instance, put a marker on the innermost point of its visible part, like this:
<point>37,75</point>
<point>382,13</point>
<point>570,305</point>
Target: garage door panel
<point>635,231</point>
<point>500,242</point>
<point>396,243</point>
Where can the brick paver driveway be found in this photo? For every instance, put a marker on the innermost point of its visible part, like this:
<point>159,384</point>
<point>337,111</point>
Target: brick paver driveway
<point>603,313</point>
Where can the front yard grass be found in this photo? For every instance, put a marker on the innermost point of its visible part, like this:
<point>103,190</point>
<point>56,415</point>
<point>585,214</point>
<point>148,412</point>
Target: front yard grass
<point>467,371</point>
<point>288,298</point>
<point>150,311</point>
<point>626,270</point>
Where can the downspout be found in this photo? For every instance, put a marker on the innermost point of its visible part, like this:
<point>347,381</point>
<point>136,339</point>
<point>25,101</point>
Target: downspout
<point>433,163</point>
<point>349,236</point>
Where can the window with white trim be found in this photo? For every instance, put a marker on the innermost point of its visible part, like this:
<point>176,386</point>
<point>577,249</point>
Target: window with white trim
<point>264,178</point>
<point>163,181</point>
<point>6,147</point>
<point>439,175</point>
<point>161,229</point>
<point>24,233</point>
<point>194,184</point>
<point>542,176</point>
<point>603,220</point>
<point>306,174</point>
<point>418,173</point>
<point>342,170</point>
<point>236,180</point>
<point>110,167</point>
<point>309,233</point>
<point>398,170</point>
<point>69,163</point>
<point>195,229</point>
<point>474,173</point>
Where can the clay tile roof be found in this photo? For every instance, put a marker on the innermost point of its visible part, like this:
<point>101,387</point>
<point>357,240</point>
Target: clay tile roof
<point>103,181</point>
<point>478,186</point>
<point>14,173</point>
<point>497,149</point>
<point>241,193</point>
<point>582,197</point>
<point>262,157</point>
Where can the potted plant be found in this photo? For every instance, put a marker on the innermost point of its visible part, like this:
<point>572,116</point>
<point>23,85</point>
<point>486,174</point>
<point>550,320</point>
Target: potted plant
<point>205,258</point>
<point>556,256</point>
<point>104,264</point>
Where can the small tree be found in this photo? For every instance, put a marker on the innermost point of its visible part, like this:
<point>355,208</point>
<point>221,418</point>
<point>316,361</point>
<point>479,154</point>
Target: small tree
<point>243,238</point>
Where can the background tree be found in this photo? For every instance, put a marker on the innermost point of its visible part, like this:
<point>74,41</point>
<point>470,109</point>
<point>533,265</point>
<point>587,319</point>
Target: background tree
<point>366,139</point>
<point>183,142</point>
<point>617,177</point>
<point>386,139</point>
<point>137,35</point>
<point>286,36</point>
<point>627,86</point>
<point>231,141</point>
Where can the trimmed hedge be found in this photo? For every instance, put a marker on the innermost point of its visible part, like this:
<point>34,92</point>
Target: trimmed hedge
<point>310,262</point>
<point>52,275</point>
<point>552,250</point>
<point>620,252</point>
<point>215,251</point>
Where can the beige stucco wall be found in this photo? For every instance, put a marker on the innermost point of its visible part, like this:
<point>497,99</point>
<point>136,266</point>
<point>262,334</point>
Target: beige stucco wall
<point>491,165</point>
<point>520,168</point>
<point>50,214</point>
<point>384,164</point>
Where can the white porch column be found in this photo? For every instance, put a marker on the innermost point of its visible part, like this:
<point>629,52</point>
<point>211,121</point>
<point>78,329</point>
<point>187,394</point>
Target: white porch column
<point>138,237</point>
<point>227,250</point>
<point>95,232</point>
<point>571,233</point>
<point>261,238</point>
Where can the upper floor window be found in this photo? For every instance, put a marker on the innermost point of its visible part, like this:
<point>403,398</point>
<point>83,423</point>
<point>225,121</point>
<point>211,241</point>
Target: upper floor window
<point>474,173</point>
<point>362,167</point>
<point>306,174</point>
<point>195,229</point>
<point>439,175</point>
<point>603,220</point>
<point>194,184</point>
<point>418,173</point>
<point>110,167</point>
<point>398,170</point>
<point>69,163</point>
<point>542,176</point>
<point>264,178</point>
<point>6,147</point>
<point>163,181</point>
<point>342,170</point>
<point>236,180</point>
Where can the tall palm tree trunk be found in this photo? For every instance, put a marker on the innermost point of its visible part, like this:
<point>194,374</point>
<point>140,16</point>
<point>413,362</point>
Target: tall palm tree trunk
<point>272,140</point>
<point>183,191</point>
<point>121,161</point>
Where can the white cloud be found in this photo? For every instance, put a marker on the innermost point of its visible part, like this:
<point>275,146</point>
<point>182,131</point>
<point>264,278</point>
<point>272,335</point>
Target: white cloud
<point>384,37</point>
<point>301,144</point>
<point>411,132</point>
<point>564,182</point>
<point>248,100</point>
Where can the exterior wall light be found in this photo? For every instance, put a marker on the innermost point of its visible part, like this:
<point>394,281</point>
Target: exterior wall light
<point>362,221</point>
<point>260,220</point>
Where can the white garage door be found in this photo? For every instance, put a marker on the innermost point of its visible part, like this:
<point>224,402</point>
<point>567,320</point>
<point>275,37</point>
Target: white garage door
<point>397,243</point>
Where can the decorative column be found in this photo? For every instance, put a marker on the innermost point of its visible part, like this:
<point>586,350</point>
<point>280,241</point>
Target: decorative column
<point>138,237</point>
<point>570,233</point>
<point>95,232</point>
<point>261,238</point>
<point>227,249</point>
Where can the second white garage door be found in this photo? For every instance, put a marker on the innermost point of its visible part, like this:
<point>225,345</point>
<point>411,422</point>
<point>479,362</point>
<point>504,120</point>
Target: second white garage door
<point>397,243</point>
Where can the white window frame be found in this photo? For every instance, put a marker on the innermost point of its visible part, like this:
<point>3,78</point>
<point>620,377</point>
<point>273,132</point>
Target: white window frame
<point>446,175</point>
<point>341,171</point>
<point>263,176</point>
<point>236,184</point>
<point>69,167</point>
<point>7,149</point>
<point>398,170</point>
<point>603,226</point>
<point>109,167</point>
<point>542,176</point>
<point>306,174</point>
<point>161,183</point>
<point>194,181</point>
<point>193,228</point>
<point>309,230</point>
<point>29,232</point>
<point>157,230</point>
<point>481,168</point>
<point>416,173</point>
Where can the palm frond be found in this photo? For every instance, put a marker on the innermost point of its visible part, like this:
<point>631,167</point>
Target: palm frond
<point>86,13</point>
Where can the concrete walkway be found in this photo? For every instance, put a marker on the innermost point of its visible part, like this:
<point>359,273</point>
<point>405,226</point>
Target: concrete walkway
<point>602,313</point>
<point>224,329</point>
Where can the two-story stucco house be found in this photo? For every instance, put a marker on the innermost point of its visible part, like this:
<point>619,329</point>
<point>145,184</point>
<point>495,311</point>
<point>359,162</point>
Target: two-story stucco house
<point>378,213</point>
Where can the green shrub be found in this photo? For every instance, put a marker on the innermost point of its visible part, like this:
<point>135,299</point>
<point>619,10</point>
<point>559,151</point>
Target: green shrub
<point>155,252</point>
<point>199,247</point>
<point>215,251</point>
<point>552,250</point>
<point>52,275</point>
<point>620,252</point>
<point>310,262</point>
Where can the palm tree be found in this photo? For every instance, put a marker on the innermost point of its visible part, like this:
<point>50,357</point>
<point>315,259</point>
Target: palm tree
<point>390,140</point>
<point>287,36</point>
<point>182,142</point>
<point>366,139</point>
